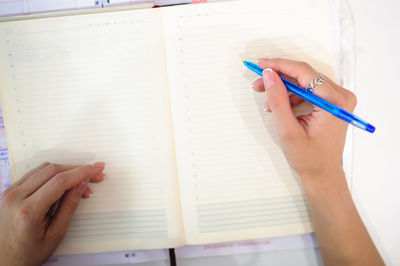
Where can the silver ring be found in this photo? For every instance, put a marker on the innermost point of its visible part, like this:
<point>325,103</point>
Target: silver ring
<point>319,80</point>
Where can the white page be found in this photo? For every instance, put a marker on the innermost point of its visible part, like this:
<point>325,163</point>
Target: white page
<point>234,180</point>
<point>93,88</point>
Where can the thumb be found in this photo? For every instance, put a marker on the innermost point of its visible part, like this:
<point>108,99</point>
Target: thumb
<point>66,210</point>
<point>279,103</point>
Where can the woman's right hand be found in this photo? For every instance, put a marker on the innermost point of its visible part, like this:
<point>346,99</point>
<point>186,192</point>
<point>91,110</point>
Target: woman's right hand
<point>313,144</point>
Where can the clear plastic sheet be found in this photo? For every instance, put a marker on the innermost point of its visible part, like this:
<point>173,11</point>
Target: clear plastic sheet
<point>347,55</point>
<point>345,67</point>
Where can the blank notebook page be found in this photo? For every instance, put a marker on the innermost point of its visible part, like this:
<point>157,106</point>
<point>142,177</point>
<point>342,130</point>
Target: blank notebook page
<point>93,88</point>
<point>234,180</point>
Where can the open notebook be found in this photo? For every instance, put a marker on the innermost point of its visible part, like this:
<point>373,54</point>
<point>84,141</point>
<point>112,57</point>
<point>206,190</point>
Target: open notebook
<point>162,97</point>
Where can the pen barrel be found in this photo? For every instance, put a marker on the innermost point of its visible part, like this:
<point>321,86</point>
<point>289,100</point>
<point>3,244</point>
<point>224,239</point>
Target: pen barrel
<point>317,101</point>
<point>354,120</point>
<point>309,97</point>
<point>329,107</point>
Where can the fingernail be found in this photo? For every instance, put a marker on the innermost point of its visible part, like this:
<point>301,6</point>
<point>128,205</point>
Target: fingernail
<point>99,165</point>
<point>267,109</point>
<point>82,187</point>
<point>269,78</point>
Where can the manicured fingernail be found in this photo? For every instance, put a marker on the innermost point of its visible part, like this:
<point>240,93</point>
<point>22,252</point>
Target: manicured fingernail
<point>267,109</point>
<point>90,192</point>
<point>82,187</point>
<point>99,165</point>
<point>269,78</point>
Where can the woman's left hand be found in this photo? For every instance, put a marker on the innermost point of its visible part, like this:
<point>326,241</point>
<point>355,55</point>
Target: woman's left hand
<point>29,233</point>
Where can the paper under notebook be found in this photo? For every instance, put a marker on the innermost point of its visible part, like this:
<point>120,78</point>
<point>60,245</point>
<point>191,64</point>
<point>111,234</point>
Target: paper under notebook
<point>162,97</point>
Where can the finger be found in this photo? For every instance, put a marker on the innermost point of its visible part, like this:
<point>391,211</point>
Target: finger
<point>278,101</point>
<point>40,177</point>
<point>266,107</point>
<point>30,173</point>
<point>288,78</point>
<point>87,193</point>
<point>300,71</point>
<point>18,189</point>
<point>304,74</point>
<point>295,100</point>
<point>349,97</point>
<point>69,203</point>
<point>53,189</point>
<point>258,85</point>
<point>97,179</point>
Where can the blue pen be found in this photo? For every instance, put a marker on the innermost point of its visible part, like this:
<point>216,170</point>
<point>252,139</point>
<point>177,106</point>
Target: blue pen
<point>315,100</point>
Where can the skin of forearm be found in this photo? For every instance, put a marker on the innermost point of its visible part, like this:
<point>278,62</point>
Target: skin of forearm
<point>341,234</point>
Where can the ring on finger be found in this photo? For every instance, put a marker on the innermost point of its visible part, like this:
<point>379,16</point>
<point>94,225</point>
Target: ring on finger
<point>317,81</point>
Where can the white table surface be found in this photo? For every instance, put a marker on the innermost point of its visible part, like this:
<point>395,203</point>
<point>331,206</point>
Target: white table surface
<point>376,165</point>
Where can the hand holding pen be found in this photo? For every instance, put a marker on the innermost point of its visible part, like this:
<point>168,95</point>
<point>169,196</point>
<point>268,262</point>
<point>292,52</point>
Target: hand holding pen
<point>308,95</point>
<point>313,143</point>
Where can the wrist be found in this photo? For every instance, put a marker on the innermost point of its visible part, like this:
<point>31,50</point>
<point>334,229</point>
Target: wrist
<point>329,181</point>
<point>333,171</point>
